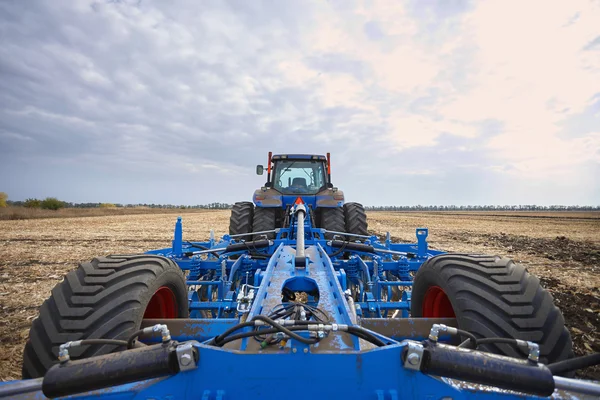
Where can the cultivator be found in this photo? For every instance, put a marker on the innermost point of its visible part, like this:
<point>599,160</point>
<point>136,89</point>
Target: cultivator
<point>299,311</point>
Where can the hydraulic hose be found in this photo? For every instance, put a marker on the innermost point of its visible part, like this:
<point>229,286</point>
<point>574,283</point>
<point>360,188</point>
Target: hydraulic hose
<point>283,329</point>
<point>573,364</point>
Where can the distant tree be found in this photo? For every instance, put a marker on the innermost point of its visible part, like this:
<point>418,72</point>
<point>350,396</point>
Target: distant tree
<point>32,203</point>
<point>3,198</point>
<point>107,205</point>
<point>52,203</point>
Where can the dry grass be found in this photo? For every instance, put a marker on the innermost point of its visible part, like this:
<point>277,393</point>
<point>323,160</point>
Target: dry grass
<point>36,253</point>
<point>17,213</point>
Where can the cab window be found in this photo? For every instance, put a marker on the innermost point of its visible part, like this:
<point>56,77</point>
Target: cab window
<point>298,176</point>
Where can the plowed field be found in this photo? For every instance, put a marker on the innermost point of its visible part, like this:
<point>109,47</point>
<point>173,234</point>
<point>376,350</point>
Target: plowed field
<point>563,249</point>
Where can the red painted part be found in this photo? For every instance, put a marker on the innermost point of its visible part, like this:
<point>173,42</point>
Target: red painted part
<point>328,163</point>
<point>269,163</point>
<point>436,304</point>
<point>162,304</point>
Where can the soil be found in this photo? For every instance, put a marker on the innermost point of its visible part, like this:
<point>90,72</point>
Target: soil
<point>562,249</point>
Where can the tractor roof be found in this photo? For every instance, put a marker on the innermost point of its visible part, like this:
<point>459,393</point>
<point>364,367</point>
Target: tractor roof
<point>298,157</point>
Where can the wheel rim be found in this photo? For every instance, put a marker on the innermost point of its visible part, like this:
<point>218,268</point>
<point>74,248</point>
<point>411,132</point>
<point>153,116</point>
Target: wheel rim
<point>162,304</point>
<point>436,304</point>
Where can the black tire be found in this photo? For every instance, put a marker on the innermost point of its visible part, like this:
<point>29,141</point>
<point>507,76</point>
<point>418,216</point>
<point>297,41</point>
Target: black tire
<point>333,219</point>
<point>105,298</point>
<point>240,221</point>
<point>356,219</point>
<point>494,297</point>
<point>265,219</point>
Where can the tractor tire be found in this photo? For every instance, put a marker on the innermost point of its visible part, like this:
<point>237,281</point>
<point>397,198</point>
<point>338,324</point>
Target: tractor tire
<point>333,219</point>
<point>265,219</point>
<point>105,298</point>
<point>491,296</point>
<point>240,221</point>
<point>356,219</point>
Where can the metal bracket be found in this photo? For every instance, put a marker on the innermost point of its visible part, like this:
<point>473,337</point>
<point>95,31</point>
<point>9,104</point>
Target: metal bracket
<point>187,357</point>
<point>414,356</point>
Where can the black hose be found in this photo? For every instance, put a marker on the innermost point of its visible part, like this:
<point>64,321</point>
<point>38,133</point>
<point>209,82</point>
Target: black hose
<point>284,329</point>
<point>472,339</point>
<point>365,334</point>
<point>499,340</point>
<point>314,311</point>
<point>199,246</point>
<point>494,340</point>
<point>340,250</point>
<point>115,342</point>
<point>133,336</point>
<point>573,364</point>
<point>260,256</point>
<point>220,337</point>
<point>267,331</point>
<point>353,330</point>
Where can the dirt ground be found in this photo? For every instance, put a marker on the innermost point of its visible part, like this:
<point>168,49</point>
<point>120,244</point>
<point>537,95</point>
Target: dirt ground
<point>563,249</point>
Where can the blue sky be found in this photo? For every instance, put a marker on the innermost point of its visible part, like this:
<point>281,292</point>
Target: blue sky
<point>419,102</point>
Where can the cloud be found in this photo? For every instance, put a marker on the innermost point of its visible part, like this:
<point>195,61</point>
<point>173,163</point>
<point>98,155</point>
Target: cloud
<point>419,102</point>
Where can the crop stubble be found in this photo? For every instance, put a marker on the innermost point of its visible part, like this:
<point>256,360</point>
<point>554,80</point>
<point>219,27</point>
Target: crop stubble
<point>563,249</point>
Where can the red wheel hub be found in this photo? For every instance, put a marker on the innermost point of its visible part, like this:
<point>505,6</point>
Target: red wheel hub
<point>436,304</point>
<point>162,304</point>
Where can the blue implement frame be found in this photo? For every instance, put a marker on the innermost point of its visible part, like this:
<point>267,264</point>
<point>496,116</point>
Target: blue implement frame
<point>355,280</point>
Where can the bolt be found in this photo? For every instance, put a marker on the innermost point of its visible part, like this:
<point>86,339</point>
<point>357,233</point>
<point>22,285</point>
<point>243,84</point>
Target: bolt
<point>186,359</point>
<point>305,350</point>
<point>413,359</point>
<point>321,334</point>
<point>294,350</point>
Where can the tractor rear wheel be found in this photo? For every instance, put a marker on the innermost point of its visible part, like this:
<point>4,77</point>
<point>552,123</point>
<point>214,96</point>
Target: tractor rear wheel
<point>240,221</point>
<point>333,219</point>
<point>265,219</point>
<point>491,296</point>
<point>356,219</point>
<point>106,298</point>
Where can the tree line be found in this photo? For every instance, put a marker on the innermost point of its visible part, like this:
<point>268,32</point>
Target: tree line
<point>52,203</point>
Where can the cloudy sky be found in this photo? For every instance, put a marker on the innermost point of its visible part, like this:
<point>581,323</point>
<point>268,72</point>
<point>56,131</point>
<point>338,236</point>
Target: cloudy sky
<point>419,102</point>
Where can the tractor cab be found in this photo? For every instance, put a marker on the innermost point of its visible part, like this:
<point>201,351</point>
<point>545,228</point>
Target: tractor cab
<point>290,176</point>
<point>299,175</point>
<point>294,179</point>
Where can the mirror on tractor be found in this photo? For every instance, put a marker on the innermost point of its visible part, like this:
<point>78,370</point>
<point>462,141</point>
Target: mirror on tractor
<point>260,170</point>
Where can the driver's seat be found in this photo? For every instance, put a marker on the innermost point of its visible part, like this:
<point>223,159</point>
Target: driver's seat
<point>299,183</point>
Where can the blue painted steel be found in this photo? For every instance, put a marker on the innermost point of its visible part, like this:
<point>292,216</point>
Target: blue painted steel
<point>370,276</point>
<point>224,374</point>
<point>339,366</point>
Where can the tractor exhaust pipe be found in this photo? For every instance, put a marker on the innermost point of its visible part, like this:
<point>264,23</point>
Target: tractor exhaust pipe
<point>329,168</point>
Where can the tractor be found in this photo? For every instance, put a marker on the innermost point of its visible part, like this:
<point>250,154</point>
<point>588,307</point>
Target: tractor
<point>293,176</point>
<point>299,301</point>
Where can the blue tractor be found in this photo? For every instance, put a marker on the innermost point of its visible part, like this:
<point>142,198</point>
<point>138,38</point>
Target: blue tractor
<point>293,176</point>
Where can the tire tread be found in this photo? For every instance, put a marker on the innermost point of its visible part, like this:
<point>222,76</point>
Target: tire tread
<point>494,295</point>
